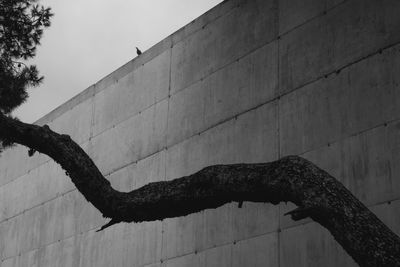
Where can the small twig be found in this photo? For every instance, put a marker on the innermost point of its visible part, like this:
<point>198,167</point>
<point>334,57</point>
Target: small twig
<point>110,223</point>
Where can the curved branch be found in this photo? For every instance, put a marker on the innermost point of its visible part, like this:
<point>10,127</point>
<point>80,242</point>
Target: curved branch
<point>317,194</point>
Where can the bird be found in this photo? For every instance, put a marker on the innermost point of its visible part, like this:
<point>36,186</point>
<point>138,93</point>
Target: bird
<point>138,52</point>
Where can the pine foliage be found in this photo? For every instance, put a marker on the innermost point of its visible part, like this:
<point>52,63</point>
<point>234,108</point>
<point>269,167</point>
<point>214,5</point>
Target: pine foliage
<point>21,27</point>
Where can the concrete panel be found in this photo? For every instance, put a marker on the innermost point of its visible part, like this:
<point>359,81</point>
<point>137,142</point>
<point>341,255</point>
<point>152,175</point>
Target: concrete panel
<point>58,254</point>
<point>131,140</point>
<point>29,233</point>
<point>69,256</point>
<point>108,248</point>
<point>122,245</point>
<point>359,97</point>
<point>15,162</point>
<point>237,33</point>
<point>389,213</point>
<point>96,250</point>
<point>56,220</point>
<point>86,216</point>
<point>135,175</point>
<point>217,257</point>
<point>44,183</point>
<point>223,141</point>
<point>76,122</point>
<point>49,255</point>
<point>246,83</point>
<point>187,113</point>
<point>133,93</point>
<point>294,13</point>
<point>311,245</point>
<point>180,235</point>
<point>187,157</point>
<point>123,179</point>
<point>367,164</point>
<point>197,231</point>
<point>10,233</point>
<point>254,219</point>
<point>13,198</point>
<point>217,227</point>
<point>150,169</point>
<point>238,87</point>
<point>25,260</point>
<point>258,251</point>
<point>346,34</point>
<point>45,224</point>
<point>148,242</point>
<point>256,138</point>
<point>65,225</point>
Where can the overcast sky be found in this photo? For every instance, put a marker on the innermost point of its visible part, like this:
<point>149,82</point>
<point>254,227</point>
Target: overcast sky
<point>89,39</point>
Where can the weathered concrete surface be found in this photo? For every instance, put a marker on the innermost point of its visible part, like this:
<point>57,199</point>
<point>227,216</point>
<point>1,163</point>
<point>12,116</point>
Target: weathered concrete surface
<point>311,245</point>
<point>240,86</point>
<point>135,138</point>
<point>294,13</point>
<point>133,93</point>
<point>350,32</point>
<point>358,98</point>
<point>249,81</point>
<point>244,28</point>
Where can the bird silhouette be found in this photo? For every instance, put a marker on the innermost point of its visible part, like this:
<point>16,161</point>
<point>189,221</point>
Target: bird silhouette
<point>138,52</point>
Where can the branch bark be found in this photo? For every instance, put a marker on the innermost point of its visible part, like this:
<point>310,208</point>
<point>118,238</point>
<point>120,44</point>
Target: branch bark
<point>317,194</point>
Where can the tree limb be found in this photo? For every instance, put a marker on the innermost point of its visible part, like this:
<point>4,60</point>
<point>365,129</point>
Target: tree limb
<point>318,195</point>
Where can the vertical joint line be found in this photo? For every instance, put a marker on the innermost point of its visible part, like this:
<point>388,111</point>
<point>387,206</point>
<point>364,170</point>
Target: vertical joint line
<point>278,122</point>
<point>166,143</point>
<point>168,99</point>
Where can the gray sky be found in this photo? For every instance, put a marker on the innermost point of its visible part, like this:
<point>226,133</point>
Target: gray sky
<point>89,39</point>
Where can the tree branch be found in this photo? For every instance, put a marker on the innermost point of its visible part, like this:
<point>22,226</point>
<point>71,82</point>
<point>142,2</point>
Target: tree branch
<point>318,195</point>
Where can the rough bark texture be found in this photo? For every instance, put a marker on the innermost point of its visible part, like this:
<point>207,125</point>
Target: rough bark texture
<point>317,194</point>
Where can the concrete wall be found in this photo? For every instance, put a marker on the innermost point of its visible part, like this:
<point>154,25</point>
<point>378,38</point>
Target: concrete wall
<point>249,81</point>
